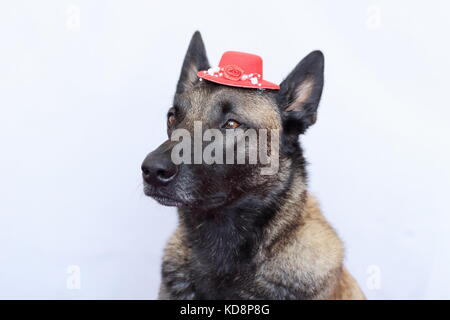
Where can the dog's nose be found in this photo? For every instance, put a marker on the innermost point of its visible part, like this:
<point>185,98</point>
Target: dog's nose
<point>158,169</point>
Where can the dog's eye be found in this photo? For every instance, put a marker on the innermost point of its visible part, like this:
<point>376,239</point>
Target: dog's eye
<point>231,124</point>
<point>171,119</point>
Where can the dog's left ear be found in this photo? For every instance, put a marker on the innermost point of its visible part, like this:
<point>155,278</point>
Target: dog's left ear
<point>300,93</point>
<point>194,61</point>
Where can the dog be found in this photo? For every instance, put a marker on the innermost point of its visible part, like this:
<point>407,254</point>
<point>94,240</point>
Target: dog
<point>242,234</point>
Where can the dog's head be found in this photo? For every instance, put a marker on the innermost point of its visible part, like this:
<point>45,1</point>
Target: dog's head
<point>201,106</point>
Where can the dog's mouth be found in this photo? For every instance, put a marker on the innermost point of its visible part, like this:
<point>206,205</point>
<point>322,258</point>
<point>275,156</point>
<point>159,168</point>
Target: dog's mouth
<point>163,199</point>
<point>210,202</point>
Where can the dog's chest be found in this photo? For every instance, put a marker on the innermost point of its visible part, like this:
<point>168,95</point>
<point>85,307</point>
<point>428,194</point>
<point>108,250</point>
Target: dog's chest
<point>225,282</point>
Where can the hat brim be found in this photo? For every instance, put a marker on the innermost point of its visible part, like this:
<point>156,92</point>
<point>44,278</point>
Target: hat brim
<point>240,83</point>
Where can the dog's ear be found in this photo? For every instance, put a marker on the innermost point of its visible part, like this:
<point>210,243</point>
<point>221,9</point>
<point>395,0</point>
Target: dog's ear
<point>194,61</point>
<point>300,93</point>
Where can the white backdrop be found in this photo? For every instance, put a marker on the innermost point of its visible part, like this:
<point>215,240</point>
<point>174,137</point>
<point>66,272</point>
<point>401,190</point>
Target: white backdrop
<point>84,89</point>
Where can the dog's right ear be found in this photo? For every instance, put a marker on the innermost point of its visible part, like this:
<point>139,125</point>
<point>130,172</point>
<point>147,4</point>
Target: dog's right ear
<point>194,61</point>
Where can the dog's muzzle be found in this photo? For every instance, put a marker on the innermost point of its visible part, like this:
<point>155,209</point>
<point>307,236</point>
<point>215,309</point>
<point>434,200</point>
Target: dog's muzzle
<point>158,168</point>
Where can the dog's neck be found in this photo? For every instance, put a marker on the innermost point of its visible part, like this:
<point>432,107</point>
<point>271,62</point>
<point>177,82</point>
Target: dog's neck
<point>226,239</point>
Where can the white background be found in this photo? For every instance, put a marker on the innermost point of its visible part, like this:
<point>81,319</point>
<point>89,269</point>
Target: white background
<point>83,103</point>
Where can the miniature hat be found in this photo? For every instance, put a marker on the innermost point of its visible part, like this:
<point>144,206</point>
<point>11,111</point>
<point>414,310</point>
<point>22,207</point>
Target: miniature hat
<point>239,69</point>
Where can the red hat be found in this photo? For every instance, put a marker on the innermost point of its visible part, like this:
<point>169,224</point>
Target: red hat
<point>238,69</point>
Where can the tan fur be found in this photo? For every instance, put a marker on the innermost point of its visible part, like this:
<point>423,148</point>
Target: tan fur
<point>201,105</point>
<point>315,249</point>
<point>299,246</point>
<point>303,93</point>
<point>312,248</point>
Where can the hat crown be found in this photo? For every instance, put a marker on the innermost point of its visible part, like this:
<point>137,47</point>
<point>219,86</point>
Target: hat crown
<point>249,63</point>
<point>238,69</point>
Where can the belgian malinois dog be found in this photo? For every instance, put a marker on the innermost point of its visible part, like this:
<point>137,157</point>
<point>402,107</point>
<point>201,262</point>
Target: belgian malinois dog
<point>241,234</point>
